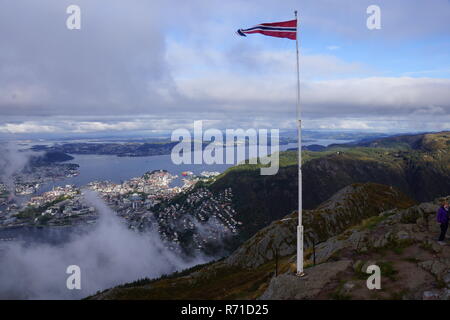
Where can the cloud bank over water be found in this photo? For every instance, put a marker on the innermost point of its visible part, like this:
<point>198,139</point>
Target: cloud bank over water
<point>110,254</point>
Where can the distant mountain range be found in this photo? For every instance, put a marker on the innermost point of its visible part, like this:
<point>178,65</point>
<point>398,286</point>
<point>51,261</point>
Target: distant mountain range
<point>50,157</point>
<point>118,149</point>
<point>131,148</point>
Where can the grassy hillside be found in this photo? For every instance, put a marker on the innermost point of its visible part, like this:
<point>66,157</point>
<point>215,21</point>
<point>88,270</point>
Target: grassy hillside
<point>424,142</point>
<point>400,241</point>
<point>418,165</point>
<point>243,275</point>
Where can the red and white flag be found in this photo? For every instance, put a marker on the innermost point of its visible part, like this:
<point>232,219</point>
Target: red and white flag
<point>285,29</point>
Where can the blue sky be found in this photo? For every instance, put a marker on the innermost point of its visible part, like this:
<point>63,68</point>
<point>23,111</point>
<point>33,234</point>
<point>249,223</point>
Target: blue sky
<point>146,66</point>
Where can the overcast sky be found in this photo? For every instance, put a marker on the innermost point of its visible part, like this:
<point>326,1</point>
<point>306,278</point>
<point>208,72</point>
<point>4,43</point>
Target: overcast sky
<point>142,65</point>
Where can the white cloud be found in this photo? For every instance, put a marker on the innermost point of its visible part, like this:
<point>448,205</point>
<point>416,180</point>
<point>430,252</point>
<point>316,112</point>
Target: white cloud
<point>380,125</point>
<point>346,124</point>
<point>269,100</point>
<point>27,127</point>
<point>129,68</point>
<point>398,97</point>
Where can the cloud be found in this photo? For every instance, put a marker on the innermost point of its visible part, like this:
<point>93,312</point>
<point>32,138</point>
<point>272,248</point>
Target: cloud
<point>270,100</point>
<point>109,255</point>
<point>362,97</point>
<point>27,127</point>
<point>374,96</point>
<point>12,162</point>
<point>382,124</point>
<point>143,66</point>
<point>114,64</point>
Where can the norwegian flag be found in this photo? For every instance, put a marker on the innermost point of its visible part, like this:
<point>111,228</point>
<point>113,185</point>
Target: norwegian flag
<point>285,29</point>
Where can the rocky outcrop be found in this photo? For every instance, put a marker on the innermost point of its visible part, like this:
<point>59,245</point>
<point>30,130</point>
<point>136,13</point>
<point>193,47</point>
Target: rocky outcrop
<point>402,242</point>
<point>346,208</point>
<point>393,227</point>
<point>289,286</point>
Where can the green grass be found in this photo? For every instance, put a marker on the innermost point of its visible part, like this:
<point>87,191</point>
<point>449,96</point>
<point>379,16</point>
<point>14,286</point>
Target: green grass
<point>216,280</point>
<point>371,223</point>
<point>359,273</point>
<point>440,284</point>
<point>31,212</point>
<point>398,295</point>
<point>427,247</point>
<point>290,158</point>
<point>398,250</point>
<point>398,246</point>
<point>338,293</point>
<point>412,260</point>
<point>387,269</point>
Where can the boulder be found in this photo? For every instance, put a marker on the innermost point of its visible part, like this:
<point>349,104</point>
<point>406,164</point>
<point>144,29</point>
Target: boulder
<point>438,268</point>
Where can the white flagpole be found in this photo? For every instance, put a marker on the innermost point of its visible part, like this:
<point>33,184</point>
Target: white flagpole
<point>299,132</point>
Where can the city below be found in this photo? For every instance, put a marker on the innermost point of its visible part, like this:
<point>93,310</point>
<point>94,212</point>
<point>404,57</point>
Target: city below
<point>146,203</point>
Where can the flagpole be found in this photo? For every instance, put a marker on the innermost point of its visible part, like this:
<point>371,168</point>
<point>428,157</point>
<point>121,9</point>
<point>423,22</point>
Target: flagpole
<point>299,132</point>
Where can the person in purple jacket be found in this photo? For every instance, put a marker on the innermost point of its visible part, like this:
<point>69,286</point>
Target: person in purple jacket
<point>442,218</point>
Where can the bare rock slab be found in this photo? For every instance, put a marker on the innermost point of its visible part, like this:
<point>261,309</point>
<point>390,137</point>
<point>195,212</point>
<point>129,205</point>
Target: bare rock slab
<point>291,287</point>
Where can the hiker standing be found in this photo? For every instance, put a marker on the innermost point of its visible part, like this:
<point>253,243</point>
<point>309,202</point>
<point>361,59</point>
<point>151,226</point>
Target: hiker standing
<point>442,218</point>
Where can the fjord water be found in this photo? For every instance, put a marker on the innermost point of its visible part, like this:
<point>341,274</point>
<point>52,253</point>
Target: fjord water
<point>118,169</point>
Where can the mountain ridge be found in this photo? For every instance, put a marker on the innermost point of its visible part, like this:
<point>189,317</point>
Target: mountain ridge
<point>258,200</point>
<point>370,196</point>
<point>400,241</point>
<point>416,166</point>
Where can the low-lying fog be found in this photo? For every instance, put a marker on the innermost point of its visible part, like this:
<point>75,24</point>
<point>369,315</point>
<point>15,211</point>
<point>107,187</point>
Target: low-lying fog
<point>108,255</point>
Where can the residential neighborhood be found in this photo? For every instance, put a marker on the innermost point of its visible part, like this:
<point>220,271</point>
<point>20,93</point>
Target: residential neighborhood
<point>183,214</point>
